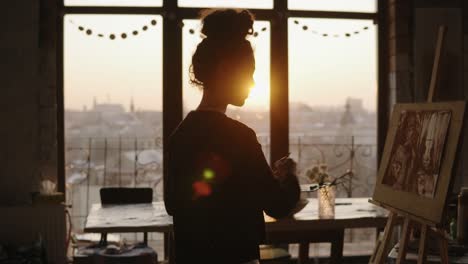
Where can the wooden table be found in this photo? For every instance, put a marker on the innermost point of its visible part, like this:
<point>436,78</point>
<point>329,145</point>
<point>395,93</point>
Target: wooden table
<point>304,227</point>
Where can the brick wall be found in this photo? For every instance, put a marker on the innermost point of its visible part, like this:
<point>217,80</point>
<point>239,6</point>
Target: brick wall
<point>47,99</point>
<point>28,129</point>
<point>412,32</point>
<point>19,103</point>
<point>400,45</point>
<point>464,165</point>
<point>28,106</point>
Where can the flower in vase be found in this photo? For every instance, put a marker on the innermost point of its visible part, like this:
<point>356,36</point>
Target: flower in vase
<point>320,176</point>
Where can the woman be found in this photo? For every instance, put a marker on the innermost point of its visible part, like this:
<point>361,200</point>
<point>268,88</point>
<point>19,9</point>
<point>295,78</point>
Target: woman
<point>218,182</point>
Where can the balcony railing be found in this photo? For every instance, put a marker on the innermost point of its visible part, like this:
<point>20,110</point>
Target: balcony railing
<point>92,163</point>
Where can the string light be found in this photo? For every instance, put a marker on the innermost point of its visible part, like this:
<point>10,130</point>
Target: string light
<point>326,34</point>
<point>306,28</point>
<point>154,22</point>
<point>254,34</point>
<point>112,36</point>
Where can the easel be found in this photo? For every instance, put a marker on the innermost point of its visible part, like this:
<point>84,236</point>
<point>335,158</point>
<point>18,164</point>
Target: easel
<point>411,221</point>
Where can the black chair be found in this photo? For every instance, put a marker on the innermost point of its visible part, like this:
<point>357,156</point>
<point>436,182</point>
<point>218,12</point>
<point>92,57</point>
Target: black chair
<point>120,195</point>
<point>111,195</point>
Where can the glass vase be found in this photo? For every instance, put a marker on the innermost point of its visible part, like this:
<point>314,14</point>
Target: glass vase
<point>326,202</point>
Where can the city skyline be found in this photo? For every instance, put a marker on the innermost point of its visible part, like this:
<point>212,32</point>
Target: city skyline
<point>132,103</point>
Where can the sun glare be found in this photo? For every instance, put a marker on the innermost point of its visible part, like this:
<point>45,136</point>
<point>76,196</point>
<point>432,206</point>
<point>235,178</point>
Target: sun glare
<point>259,95</point>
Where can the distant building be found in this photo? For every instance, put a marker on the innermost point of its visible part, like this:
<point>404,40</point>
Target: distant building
<point>110,120</point>
<point>355,104</point>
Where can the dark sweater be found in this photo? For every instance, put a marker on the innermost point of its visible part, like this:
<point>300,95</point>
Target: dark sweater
<point>217,186</point>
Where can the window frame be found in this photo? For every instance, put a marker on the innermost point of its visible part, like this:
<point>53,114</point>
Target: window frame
<point>172,66</point>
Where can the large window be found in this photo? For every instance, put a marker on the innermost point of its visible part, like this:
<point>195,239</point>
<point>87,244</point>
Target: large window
<point>113,3</point>
<point>113,107</point>
<point>332,107</point>
<point>115,100</point>
<point>264,4</point>
<point>333,96</point>
<point>366,6</point>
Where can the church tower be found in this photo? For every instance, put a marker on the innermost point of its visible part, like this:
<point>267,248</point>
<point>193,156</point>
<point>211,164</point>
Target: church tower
<point>132,105</point>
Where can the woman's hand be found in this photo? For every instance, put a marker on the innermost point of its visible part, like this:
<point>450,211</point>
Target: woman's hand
<point>284,167</point>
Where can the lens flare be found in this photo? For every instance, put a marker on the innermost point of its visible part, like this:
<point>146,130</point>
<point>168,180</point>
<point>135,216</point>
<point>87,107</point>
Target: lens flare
<point>201,189</point>
<point>208,174</point>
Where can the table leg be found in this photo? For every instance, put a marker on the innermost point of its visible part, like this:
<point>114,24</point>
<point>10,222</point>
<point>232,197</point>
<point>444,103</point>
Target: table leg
<point>166,246</point>
<point>336,254</point>
<point>169,250</point>
<point>103,240</point>
<point>303,257</point>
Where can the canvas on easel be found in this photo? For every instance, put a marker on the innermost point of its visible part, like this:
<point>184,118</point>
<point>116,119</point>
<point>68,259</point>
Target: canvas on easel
<point>415,172</point>
<point>416,167</point>
<point>415,156</point>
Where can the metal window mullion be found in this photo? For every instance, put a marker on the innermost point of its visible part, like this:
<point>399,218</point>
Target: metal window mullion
<point>60,100</point>
<point>383,91</point>
<point>279,95</point>
<point>172,73</point>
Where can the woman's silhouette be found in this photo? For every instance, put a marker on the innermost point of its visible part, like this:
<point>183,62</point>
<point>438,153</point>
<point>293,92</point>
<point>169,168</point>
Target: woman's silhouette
<point>218,182</point>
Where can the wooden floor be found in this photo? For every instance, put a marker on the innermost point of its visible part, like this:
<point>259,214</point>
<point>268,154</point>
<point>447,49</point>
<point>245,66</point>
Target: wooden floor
<point>354,253</point>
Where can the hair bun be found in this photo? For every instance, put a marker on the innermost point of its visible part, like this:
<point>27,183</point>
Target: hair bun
<point>227,24</point>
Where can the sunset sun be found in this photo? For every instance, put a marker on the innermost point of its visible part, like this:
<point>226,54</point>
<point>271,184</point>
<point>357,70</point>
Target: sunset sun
<point>259,95</point>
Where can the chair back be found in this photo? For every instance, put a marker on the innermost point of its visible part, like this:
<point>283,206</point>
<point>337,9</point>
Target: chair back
<point>120,195</point>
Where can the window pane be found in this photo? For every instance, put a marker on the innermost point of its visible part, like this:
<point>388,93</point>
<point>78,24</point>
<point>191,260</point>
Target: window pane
<point>113,3</point>
<point>256,111</point>
<point>259,4</point>
<point>113,107</point>
<point>332,106</point>
<point>335,5</point>
<point>333,95</point>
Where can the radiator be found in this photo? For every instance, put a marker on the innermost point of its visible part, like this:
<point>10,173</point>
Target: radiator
<point>22,225</point>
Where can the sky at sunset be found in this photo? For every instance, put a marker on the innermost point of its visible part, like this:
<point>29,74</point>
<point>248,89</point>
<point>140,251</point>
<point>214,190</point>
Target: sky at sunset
<point>323,70</point>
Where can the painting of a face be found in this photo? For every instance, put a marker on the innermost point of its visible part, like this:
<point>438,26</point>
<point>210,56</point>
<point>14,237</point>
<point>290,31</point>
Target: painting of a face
<point>396,167</point>
<point>418,164</point>
<point>416,154</point>
<point>426,162</point>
